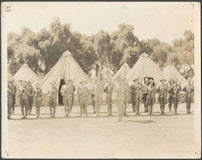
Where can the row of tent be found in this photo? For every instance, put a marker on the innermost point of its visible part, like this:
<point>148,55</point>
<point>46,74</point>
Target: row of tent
<point>68,68</point>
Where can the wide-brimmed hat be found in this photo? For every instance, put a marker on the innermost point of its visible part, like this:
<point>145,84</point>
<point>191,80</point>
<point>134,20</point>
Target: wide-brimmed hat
<point>162,80</point>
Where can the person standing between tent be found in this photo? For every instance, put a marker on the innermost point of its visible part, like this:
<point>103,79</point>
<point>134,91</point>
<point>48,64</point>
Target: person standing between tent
<point>52,94</point>
<point>93,92</point>
<point>10,94</point>
<point>126,91</point>
<point>136,90</point>
<point>24,99</point>
<point>98,96</point>
<point>30,96</point>
<point>189,89</point>
<point>120,97</point>
<point>74,88</point>
<point>67,91</point>
<point>170,94</point>
<point>108,90</point>
<point>145,93</point>
<point>83,94</point>
<point>13,95</point>
<point>176,91</point>
<point>162,90</point>
<point>151,89</point>
<point>38,98</point>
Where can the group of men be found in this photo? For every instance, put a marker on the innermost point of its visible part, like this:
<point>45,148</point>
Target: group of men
<point>140,93</point>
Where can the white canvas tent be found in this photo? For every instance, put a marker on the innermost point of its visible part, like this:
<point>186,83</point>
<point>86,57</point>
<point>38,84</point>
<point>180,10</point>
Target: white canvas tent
<point>123,71</point>
<point>25,73</point>
<point>170,72</point>
<point>145,67</point>
<point>65,68</point>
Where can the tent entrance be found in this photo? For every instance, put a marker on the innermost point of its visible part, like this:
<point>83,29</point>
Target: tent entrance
<point>60,97</point>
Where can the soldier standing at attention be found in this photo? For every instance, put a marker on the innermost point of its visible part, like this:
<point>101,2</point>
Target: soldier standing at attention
<point>98,97</point>
<point>126,90</point>
<point>83,94</point>
<point>10,94</point>
<point>30,96</point>
<point>38,98</point>
<point>151,89</point>
<point>53,98</point>
<point>162,90</point>
<point>108,90</point>
<point>170,94</point>
<point>74,88</point>
<point>67,90</point>
<point>176,91</point>
<point>14,93</point>
<point>145,93</point>
<point>24,101</point>
<point>93,90</point>
<point>120,97</point>
<point>135,90</point>
<point>189,89</point>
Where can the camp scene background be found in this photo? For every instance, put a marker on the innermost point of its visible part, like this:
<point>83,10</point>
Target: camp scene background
<point>92,44</point>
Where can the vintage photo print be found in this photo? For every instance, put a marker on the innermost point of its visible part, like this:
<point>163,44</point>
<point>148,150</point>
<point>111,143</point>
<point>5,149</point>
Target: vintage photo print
<point>101,80</point>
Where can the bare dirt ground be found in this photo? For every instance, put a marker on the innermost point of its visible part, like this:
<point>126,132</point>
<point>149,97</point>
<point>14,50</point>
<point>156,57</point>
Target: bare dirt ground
<point>102,137</point>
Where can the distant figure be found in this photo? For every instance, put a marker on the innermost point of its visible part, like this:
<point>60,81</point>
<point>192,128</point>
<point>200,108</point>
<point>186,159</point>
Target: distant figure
<point>74,88</point>
<point>11,94</point>
<point>120,97</point>
<point>176,91</point>
<point>38,98</point>
<point>170,94</point>
<point>151,90</point>
<point>98,96</point>
<point>189,89</point>
<point>93,92</point>
<point>52,93</point>
<point>145,93</point>
<point>109,90</point>
<point>30,96</point>
<point>84,95</point>
<point>162,90</point>
<point>136,90</point>
<point>126,90</point>
<point>24,99</point>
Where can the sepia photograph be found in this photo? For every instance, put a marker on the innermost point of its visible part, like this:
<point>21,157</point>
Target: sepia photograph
<point>101,80</point>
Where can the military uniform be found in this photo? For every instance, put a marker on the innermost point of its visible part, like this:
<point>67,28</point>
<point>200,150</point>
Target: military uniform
<point>189,89</point>
<point>98,97</point>
<point>170,95</point>
<point>10,94</point>
<point>108,90</point>
<point>53,100</point>
<point>38,98</point>
<point>136,96</point>
<point>24,101</point>
<point>151,90</point>
<point>67,92</point>
<point>162,90</point>
<point>93,97</point>
<point>126,90</point>
<point>144,96</point>
<point>30,97</point>
<point>83,94</point>
<point>176,91</point>
<point>120,98</point>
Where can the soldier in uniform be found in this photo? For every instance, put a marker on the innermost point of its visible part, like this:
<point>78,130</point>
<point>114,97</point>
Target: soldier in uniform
<point>67,91</point>
<point>176,91</point>
<point>136,90</point>
<point>98,96</point>
<point>93,92</point>
<point>74,88</point>
<point>24,100</point>
<point>189,89</point>
<point>108,90</point>
<point>38,98</point>
<point>145,93</point>
<point>126,90</point>
<point>162,90</point>
<point>11,93</point>
<point>30,96</point>
<point>120,97</point>
<point>151,90</point>
<point>14,93</point>
<point>83,94</point>
<point>52,93</point>
<point>170,94</point>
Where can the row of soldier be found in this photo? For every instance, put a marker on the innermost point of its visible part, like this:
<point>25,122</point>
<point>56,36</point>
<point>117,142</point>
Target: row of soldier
<point>140,93</point>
